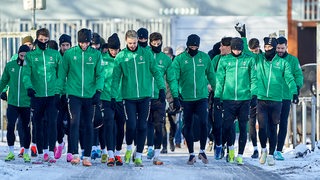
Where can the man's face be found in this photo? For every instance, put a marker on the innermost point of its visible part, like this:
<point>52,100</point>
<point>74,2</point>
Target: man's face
<point>64,46</point>
<point>132,43</point>
<point>224,50</point>
<point>193,47</point>
<point>113,52</point>
<point>84,45</point>
<point>43,38</point>
<point>236,52</point>
<point>29,44</point>
<point>21,55</point>
<point>143,40</point>
<point>281,49</point>
<point>155,43</point>
<point>267,47</point>
<point>95,46</point>
<point>255,50</point>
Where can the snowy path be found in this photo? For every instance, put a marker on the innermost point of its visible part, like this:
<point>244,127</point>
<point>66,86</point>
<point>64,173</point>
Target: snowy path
<point>174,167</point>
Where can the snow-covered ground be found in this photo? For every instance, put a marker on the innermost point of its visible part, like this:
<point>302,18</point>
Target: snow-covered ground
<point>175,166</point>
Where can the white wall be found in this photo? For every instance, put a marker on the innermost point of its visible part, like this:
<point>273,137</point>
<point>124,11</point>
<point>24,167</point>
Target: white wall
<point>75,9</point>
<point>212,29</point>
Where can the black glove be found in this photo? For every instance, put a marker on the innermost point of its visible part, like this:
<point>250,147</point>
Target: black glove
<point>241,29</point>
<point>96,98</point>
<point>4,96</point>
<point>217,103</point>
<point>298,90</point>
<point>57,101</point>
<point>31,92</point>
<point>162,96</point>
<point>253,102</point>
<point>295,99</point>
<point>176,104</point>
<point>113,103</point>
<point>211,99</point>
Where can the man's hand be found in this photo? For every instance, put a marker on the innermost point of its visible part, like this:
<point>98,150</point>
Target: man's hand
<point>96,98</point>
<point>176,104</point>
<point>241,28</point>
<point>295,99</point>
<point>162,96</point>
<point>253,102</point>
<point>4,96</point>
<point>31,92</point>
<point>217,103</point>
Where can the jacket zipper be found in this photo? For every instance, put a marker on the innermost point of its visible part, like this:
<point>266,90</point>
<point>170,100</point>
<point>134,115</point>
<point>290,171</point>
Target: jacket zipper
<point>19,81</point>
<point>194,79</point>
<point>45,74</point>
<point>135,71</point>
<point>154,56</point>
<point>236,74</point>
<point>82,73</point>
<point>269,79</point>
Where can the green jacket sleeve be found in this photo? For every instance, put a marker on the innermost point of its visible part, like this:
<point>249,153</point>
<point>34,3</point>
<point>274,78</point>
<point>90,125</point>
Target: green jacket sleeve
<point>220,79</point>
<point>297,73</point>
<point>288,77</point>
<point>116,77</point>
<point>211,75</point>
<point>62,74</point>
<point>174,69</point>
<point>27,72</point>
<point>4,80</point>
<point>99,74</point>
<point>156,73</point>
<point>253,77</point>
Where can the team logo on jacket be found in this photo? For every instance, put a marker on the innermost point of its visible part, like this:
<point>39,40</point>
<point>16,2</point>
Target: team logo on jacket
<point>200,60</point>
<point>12,70</point>
<point>36,59</point>
<point>74,57</point>
<point>141,58</point>
<point>160,62</point>
<point>90,58</point>
<point>186,61</point>
<point>51,58</point>
<point>126,60</point>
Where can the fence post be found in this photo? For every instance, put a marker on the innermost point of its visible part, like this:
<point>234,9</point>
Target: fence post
<point>294,125</point>
<point>304,121</point>
<point>313,122</point>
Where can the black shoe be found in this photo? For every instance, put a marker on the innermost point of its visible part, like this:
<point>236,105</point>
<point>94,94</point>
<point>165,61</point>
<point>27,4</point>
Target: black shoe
<point>172,148</point>
<point>222,152</point>
<point>164,151</point>
<point>192,160</point>
<point>255,154</point>
<point>203,157</point>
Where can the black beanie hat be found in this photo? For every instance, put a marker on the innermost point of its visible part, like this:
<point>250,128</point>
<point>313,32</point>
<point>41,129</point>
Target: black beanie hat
<point>113,41</point>
<point>23,48</point>
<point>64,38</point>
<point>282,40</point>
<point>193,40</point>
<point>142,33</point>
<point>216,48</point>
<point>254,43</point>
<point>226,41</point>
<point>237,44</point>
<point>95,38</point>
<point>84,35</point>
<point>270,41</point>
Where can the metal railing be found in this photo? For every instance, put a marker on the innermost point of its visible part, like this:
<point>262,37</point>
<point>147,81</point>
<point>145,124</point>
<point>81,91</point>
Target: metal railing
<point>306,10</point>
<point>304,101</point>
